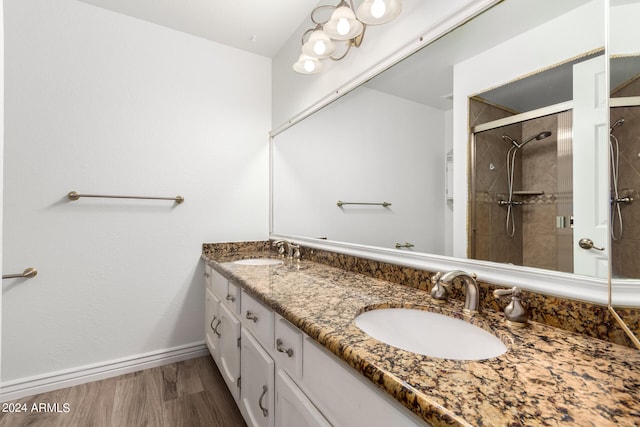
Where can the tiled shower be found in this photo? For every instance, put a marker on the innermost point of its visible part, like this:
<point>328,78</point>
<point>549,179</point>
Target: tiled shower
<point>625,243</point>
<point>542,206</point>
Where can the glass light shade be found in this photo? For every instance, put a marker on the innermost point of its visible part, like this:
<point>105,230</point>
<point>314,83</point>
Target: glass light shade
<point>319,45</point>
<point>307,65</point>
<point>343,24</point>
<point>376,12</point>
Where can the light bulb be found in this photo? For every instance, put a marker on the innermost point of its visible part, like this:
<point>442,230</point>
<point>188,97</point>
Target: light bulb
<point>320,47</point>
<point>343,26</point>
<point>309,66</point>
<point>378,8</point>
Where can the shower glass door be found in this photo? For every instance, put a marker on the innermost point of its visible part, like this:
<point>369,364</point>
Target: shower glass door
<point>522,194</point>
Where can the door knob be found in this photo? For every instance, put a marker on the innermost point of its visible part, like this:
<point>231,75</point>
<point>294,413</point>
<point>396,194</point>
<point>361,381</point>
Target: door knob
<point>586,243</point>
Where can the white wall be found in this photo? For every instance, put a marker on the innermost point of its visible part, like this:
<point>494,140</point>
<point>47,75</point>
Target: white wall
<point>102,103</point>
<point>1,151</point>
<point>582,31</point>
<point>625,31</point>
<point>366,147</point>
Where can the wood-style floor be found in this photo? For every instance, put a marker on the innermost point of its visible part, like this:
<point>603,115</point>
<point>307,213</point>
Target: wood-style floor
<point>190,393</point>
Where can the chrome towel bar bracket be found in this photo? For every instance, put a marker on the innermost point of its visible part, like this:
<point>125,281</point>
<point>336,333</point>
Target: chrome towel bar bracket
<point>27,274</point>
<point>74,195</point>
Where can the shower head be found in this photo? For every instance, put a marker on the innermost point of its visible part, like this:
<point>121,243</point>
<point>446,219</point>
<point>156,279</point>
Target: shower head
<point>538,137</point>
<point>617,123</point>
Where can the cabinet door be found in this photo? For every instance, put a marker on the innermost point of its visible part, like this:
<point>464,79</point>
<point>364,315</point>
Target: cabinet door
<point>293,408</point>
<point>211,323</point>
<point>257,391</point>
<point>229,349</point>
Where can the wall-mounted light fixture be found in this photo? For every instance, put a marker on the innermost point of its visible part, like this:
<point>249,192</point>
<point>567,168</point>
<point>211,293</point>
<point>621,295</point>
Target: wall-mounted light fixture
<point>344,27</point>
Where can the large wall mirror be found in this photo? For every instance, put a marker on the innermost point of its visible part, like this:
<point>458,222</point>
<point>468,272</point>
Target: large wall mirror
<point>624,139</point>
<point>388,170</point>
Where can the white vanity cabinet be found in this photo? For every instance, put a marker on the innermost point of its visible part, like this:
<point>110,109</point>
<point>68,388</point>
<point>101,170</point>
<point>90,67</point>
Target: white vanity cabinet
<point>258,319</point>
<point>222,304</point>
<point>229,345</point>
<point>279,376</point>
<point>345,398</point>
<point>288,346</point>
<point>293,407</point>
<point>211,323</point>
<point>257,387</point>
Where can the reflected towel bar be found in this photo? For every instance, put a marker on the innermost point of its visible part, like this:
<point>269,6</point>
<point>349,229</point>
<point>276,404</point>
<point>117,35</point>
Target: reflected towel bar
<point>74,195</point>
<point>406,245</point>
<point>27,273</point>
<point>383,204</point>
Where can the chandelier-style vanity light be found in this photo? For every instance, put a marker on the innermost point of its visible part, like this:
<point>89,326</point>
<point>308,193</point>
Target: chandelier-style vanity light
<point>343,26</point>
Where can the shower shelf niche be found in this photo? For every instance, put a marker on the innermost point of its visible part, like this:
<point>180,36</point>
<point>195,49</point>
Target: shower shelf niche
<point>528,193</point>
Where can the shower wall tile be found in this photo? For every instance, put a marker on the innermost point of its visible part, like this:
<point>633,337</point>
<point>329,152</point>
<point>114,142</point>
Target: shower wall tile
<point>491,241</point>
<point>539,219</point>
<point>541,251</point>
<point>540,158</point>
<point>625,251</point>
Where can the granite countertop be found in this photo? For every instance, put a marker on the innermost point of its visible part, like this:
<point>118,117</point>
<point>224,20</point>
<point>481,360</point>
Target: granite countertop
<point>547,377</point>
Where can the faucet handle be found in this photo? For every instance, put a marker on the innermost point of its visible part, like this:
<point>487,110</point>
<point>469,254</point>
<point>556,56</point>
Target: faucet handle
<point>439,292</point>
<point>516,315</point>
<point>296,252</point>
<point>280,245</point>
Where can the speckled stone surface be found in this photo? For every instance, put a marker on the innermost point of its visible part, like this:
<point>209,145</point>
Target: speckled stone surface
<point>547,377</point>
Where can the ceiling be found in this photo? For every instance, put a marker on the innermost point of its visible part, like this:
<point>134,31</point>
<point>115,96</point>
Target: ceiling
<point>427,76</point>
<point>257,26</point>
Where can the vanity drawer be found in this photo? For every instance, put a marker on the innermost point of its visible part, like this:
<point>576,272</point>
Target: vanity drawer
<point>288,345</point>
<point>231,298</point>
<point>216,282</point>
<point>258,319</point>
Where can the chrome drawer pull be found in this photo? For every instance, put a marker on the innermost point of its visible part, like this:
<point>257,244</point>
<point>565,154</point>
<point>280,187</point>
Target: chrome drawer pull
<point>251,316</point>
<point>265,411</point>
<point>283,349</point>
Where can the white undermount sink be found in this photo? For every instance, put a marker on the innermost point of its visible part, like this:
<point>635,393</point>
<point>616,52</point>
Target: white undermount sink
<point>258,261</point>
<point>430,334</point>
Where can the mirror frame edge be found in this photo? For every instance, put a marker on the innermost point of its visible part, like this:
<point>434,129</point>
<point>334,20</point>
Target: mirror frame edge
<point>547,282</point>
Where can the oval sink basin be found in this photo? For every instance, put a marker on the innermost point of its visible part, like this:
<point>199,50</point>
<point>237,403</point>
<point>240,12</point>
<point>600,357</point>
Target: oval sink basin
<point>430,334</point>
<point>258,261</point>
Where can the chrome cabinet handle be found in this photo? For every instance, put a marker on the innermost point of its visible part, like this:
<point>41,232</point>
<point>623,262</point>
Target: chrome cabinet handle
<point>283,349</point>
<point>265,411</point>
<point>230,298</point>
<point>586,243</point>
<point>251,316</point>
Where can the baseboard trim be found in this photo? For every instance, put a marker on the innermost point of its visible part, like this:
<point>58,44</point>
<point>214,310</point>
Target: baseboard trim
<point>23,387</point>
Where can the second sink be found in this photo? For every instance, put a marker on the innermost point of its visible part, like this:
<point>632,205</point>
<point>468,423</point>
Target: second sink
<point>430,334</point>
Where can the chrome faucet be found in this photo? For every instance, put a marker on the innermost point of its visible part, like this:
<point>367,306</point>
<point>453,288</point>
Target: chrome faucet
<point>293,250</point>
<point>471,290</point>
